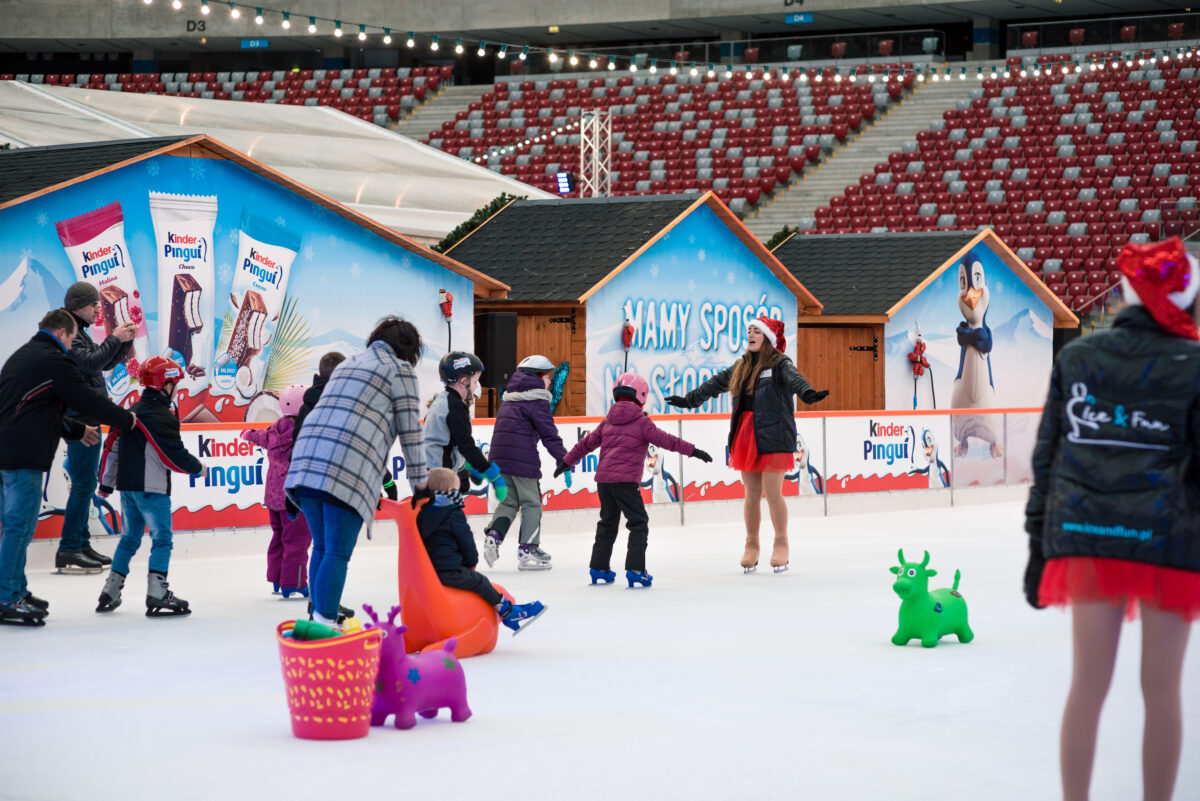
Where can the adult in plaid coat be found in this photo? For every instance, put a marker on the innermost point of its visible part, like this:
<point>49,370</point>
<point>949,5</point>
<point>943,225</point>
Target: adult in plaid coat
<point>370,400</point>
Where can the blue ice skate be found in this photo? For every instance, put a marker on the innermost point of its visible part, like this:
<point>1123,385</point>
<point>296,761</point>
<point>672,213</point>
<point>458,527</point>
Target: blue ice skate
<point>634,577</point>
<point>518,616</point>
<point>602,576</point>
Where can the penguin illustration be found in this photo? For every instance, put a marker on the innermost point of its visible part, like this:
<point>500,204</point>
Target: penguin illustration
<point>808,479</point>
<point>935,468</point>
<point>973,387</point>
<point>663,486</point>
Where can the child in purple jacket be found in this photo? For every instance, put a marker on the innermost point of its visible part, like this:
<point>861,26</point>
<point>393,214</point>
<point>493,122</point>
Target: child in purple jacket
<point>622,439</point>
<point>287,555</point>
<point>524,419</point>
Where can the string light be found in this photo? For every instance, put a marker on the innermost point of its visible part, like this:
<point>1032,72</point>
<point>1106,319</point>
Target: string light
<point>233,11</point>
<point>176,4</point>
<point>362,33</point>
<point>482,51</point>
<point>337,31</point>
<point>502,53</point>
<point>674,69</point>
<point>433,42</point>
<point>287,22</point>
<point>458,48</point>
<point>147,2</point>
<point>612,63</point>
<point>204,8</point>
<point>711,70</point>
<point>258,18</point>
<point>572,59</point>
<point>312,24</point>
<point>412,39</point>
<point>524,54</point>
<point>653,65</point>
<point>592,61</point>
<point>387,36</point>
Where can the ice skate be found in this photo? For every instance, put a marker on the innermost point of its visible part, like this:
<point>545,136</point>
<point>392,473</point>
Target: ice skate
<point>779,555</point>
<point>343,612</point>
<point>160,601</point>
<point>638,577</point>
<point>110,596</point>
<point>77,563</point>
<point>750,557</point>
<point>96,556</point>
<point>20,613</point>
<point>299,592</point>
<point>518,616</point>
<point>37,603</point>
<point>603,576</point>
<point>274,587</point>
<point>532,557</point>
<point>491,547</point>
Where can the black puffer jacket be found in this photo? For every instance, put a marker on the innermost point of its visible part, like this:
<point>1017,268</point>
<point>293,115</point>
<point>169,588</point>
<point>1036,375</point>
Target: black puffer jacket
<point>1115,470</point>
<point>774,409</point>
<point>37,385</point>
<point>92,359</point>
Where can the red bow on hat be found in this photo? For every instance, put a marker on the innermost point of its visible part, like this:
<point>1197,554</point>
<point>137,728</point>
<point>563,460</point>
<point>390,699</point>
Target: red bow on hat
<point>1165,281</point>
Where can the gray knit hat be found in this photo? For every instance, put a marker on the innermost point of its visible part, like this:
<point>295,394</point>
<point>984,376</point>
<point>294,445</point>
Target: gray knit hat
<point>80,295</point>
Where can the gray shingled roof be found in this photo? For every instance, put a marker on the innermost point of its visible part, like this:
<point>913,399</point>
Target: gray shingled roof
<point>26,170</point>
<point>558,249</point>
<point>867,273</point>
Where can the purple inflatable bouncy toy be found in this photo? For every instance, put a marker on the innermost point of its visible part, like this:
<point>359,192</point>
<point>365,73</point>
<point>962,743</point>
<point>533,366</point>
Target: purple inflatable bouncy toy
<point>416,684</point>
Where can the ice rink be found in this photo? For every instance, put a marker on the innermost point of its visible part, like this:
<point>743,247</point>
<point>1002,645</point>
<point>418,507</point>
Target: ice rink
<point>710,685</point>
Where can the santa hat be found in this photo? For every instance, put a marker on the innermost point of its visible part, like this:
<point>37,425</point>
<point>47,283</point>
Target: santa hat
<point>772,330</point>
<point>1162,277</point>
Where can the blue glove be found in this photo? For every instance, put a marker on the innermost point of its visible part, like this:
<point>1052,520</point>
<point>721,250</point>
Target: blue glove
<point>567,478</point>
<point>492,473</point>
<point>476,476</point>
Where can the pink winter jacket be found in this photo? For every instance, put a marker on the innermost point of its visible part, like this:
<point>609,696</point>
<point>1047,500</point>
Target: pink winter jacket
<point>622,439</point>
<point>277,440</point>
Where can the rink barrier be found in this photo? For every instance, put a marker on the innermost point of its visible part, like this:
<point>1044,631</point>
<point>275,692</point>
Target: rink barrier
<point>847,451</point>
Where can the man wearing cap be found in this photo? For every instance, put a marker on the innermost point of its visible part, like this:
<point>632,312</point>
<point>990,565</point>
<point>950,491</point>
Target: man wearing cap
<point>75,552</point>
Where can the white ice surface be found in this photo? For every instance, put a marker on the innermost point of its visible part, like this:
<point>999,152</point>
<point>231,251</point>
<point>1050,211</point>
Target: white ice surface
<point>712,684</point>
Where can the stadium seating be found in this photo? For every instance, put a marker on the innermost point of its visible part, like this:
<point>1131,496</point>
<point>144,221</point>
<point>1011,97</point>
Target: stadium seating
<point>742,136</point>
<point>379,95</point>
<point>1065,167</point>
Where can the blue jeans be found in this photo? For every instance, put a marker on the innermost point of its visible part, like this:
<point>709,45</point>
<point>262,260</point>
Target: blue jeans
<point>334,533</point>
<point>20,502</point>
<point>83,466</point>
<point>142,510</point>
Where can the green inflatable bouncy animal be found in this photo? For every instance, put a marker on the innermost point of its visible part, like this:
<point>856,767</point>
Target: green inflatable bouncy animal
<point>924,615</point>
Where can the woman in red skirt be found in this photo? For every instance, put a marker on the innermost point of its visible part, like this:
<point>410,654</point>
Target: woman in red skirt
<point>762,435</point>
<point>1114,511</point>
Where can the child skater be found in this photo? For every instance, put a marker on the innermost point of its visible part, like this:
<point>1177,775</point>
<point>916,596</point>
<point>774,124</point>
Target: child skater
<point>287,555</point>
<point>524,418</point>
<point>1114,512</point>
<point>448,438</point>
<point>138,463</point>
<point>451,548</point>
<point>622,439</point>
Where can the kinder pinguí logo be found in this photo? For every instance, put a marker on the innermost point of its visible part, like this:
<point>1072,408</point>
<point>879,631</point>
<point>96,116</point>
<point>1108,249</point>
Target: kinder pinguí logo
<point>101,261</point>
<point>887,442</point>
<point>262,267</point>
<point>185,247</point>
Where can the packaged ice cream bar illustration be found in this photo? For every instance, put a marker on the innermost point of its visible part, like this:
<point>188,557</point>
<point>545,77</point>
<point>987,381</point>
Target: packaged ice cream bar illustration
<point>183,231</point>
<point>264,263</point>
<point>95,245</point>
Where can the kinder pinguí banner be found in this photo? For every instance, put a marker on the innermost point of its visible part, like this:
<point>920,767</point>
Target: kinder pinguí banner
<point>892,452</point>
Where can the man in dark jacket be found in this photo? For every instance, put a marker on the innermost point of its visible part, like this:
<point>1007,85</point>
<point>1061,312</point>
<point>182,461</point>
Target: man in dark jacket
<point>38,383</point>
<point>83,302</point>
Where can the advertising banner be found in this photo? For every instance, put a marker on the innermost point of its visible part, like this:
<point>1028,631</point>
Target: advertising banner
<point>243,282</point>
<point>873,453</point>
<point>688,298</point>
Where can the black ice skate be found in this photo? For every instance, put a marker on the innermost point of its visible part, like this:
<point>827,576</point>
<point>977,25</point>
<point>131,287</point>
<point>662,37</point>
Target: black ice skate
<point>343,612</point>
<point>36,602</point>
<point>76,562</point>
<point>160,601</point>
<point>96,556</point>
<point>20,613</point>
<point>110,597</point>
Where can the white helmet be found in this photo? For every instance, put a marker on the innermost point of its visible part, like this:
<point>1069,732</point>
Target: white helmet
<point>536,364</point>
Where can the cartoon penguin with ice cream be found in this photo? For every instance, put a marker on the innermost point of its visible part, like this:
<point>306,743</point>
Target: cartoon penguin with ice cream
<point>973,387</point>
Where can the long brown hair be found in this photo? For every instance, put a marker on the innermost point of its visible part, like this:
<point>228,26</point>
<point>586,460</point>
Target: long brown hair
<point>747,369</point>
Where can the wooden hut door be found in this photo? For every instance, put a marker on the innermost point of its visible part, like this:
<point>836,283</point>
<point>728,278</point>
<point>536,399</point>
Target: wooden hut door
<point>537,334</point>
<point>843,360</point>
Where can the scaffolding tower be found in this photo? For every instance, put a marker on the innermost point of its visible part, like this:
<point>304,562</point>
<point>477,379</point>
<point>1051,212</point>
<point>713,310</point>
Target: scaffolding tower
<point>595,154</point>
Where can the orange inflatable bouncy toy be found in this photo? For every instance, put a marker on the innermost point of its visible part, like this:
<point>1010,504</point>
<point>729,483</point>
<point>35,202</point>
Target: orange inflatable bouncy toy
<point>434,612</point>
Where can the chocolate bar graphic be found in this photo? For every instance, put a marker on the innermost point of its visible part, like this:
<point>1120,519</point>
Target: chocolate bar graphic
<point>185,315</point>
<point>245,341</point>
<point>114,310</point>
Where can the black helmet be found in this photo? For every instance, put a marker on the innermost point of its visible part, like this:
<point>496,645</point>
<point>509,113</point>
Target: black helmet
<point>456,364</point>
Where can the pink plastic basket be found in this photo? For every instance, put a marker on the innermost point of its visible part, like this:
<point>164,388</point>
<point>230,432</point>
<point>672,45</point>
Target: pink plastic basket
<point>330,683</point>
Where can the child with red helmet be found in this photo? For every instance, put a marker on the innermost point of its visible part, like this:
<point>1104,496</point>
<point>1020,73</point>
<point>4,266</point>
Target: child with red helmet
<point>139,463</point>
<point>287,555</point>
<point>622,438</point>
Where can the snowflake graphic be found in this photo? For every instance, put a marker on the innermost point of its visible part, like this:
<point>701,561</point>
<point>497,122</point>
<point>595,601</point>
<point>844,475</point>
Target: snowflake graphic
<point>26,253</point>
<point>233,236</point>
<point>42,219</point>
<point>691,285</point>
<point>152,167</point>
<point>333,241</point>
<point>654,271</point>
<point>197,169</point>
<point>692,239</point>
<point>406,262</point>
<point>308,252</point>
<point>281,222</point>
<point>730,277</point>
<point>225,271</point>
<point>702,255</point>
<point>355,270</point>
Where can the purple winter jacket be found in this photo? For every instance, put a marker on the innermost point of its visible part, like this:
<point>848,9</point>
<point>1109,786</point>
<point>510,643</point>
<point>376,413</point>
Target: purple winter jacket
<point>622,439</point>
<point>523,419</point>
<point>277,440</point>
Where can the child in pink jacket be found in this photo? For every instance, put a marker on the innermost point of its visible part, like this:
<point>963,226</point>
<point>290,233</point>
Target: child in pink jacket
<point>622,439</point>
<point>287,555</point>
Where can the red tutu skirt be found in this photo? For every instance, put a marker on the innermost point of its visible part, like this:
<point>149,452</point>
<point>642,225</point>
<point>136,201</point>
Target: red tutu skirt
<point>744,454</point>
<point>1083,579</point>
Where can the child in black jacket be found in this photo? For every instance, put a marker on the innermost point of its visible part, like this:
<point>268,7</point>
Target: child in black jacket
<point>139,465</point>
<point>451,548</point>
